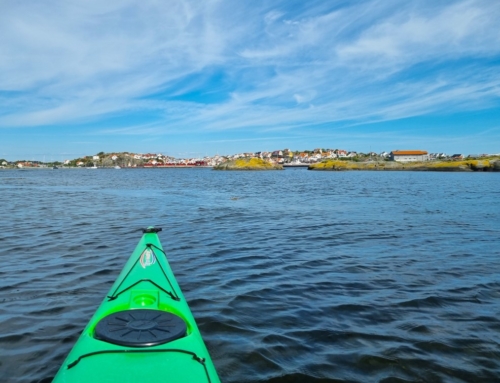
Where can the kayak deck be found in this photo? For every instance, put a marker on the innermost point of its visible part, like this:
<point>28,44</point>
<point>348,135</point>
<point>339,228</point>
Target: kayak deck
<point>143,330</point>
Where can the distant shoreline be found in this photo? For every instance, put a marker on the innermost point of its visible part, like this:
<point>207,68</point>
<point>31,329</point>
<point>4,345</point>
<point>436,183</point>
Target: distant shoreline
<point>490,165</point>
<point>107,167</point>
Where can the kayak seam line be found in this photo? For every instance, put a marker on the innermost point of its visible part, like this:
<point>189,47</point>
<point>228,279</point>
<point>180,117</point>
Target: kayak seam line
<point>161,267</point>
<point>195,357</point>
<point>121,282</point>
<point>163,271</point>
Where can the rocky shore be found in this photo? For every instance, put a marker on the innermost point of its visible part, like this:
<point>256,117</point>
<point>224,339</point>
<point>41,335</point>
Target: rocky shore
<point>447,166</point>
<point>248,164</point>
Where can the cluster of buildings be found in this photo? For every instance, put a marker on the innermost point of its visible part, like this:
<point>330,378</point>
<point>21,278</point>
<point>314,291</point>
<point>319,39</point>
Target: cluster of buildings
<point>285,156</point>
<point>317,155</point>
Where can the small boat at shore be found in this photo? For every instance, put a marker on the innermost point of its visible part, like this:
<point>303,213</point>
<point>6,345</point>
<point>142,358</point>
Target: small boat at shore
<point>143,331</point>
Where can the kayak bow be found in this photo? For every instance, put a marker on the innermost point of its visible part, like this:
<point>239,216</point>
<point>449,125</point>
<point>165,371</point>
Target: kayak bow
<point>143,331</point>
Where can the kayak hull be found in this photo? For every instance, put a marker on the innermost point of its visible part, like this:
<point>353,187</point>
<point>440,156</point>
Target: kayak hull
<point>143,330</point>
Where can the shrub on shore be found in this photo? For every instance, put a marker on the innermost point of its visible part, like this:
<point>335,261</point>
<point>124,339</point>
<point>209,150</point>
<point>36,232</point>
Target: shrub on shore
<point>248,164</point>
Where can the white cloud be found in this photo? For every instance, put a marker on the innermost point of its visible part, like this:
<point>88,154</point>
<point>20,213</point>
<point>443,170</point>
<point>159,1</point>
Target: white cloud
<point>413,35</point>
<point>268,66</point>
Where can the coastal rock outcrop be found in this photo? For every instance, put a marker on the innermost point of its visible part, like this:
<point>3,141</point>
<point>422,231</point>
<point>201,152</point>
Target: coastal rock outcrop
<point>447,166</point>
<point>248,164</point>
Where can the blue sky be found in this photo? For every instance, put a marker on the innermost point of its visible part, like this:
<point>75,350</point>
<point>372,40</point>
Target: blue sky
<point>191,78</point>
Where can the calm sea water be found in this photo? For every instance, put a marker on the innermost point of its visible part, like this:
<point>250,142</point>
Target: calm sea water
<point>293,276</point>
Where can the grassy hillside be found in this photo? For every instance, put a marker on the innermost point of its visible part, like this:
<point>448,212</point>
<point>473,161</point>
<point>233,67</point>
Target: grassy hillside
<point>464,165</point>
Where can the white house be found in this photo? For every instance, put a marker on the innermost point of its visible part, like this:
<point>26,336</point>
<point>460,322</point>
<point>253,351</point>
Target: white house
<point>409,155</point>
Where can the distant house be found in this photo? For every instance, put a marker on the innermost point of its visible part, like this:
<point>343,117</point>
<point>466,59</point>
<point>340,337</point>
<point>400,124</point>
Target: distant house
<point>287,153</point>
<point>95,158</point>
<point>409,155</point>
<point>328,154</point>
<point>341,153</point>
<point>277,153</point>
<point>26,164</point>
<point>457,157</point>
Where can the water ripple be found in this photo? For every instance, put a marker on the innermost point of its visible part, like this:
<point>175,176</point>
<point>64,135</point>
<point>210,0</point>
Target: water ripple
<point>292,276</point>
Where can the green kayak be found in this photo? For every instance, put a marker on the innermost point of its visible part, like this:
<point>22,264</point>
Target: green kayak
<point>143,331</point>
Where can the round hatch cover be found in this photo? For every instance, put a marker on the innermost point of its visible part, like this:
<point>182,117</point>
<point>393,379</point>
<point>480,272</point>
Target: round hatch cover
<point>140,328</point>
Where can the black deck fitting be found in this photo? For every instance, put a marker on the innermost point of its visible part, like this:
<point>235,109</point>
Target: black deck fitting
<point>151,230</point>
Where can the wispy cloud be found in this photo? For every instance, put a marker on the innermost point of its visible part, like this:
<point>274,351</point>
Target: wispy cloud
<point>223,65</point>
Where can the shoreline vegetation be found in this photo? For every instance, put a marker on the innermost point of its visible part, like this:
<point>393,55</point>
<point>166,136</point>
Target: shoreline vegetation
<point>248,164</point>
<point>446,166</point>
